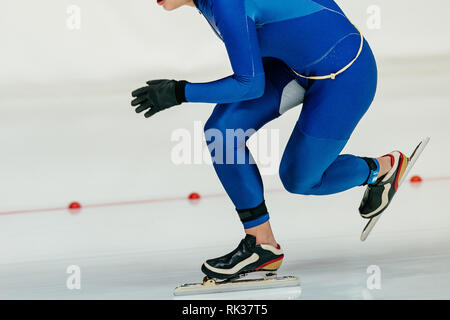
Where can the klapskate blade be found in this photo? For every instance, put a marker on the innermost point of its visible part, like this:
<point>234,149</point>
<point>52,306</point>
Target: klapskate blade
<point>240,285</point>
<point>412,160</point>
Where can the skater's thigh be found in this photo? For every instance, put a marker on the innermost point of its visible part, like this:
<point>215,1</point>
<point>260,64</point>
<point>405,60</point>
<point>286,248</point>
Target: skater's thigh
<point>305,160</point>
<point>281,93</point>
<point>333,108</point>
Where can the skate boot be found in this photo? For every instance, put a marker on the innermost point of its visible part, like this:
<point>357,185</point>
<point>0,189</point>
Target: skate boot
<point>248,267</point>
<point>248,257</point>
<point>380,192</point>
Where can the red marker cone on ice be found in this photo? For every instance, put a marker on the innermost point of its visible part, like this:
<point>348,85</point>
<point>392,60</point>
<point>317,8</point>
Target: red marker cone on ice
<point>416,179</point>
<point>74,207</point>
<point>194,197</point>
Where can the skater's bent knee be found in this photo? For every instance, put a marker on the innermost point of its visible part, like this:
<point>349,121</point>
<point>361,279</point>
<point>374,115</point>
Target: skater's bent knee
<point>298,187</point>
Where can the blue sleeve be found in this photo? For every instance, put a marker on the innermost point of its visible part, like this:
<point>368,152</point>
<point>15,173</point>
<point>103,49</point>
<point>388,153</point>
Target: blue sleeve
<point>239,35</point>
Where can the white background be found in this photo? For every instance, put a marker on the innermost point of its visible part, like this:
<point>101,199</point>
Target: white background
<point>125,41</point>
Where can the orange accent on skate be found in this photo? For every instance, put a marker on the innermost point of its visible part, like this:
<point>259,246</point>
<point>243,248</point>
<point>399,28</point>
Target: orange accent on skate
<point>403,165</point>
<point>271,265</point>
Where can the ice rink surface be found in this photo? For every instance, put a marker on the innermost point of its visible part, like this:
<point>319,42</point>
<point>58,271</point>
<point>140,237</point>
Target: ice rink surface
<point>53,152</point>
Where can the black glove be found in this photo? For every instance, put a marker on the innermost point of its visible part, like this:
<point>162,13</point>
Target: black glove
<point>158,95</point>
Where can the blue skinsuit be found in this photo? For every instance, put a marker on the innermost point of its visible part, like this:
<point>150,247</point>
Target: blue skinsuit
<point>265,40</point>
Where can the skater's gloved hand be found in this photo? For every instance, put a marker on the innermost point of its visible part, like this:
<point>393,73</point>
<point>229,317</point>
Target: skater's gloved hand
<point>158,95</point>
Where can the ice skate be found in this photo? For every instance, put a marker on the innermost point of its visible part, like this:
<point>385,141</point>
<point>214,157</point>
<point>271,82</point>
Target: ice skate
<point>248,267</point>
<point>379,194</point>
<point>247,257</point>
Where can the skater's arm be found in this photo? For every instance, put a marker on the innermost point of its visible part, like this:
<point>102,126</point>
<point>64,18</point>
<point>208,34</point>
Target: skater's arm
<point>239,35</point>
<point>248,81</point>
